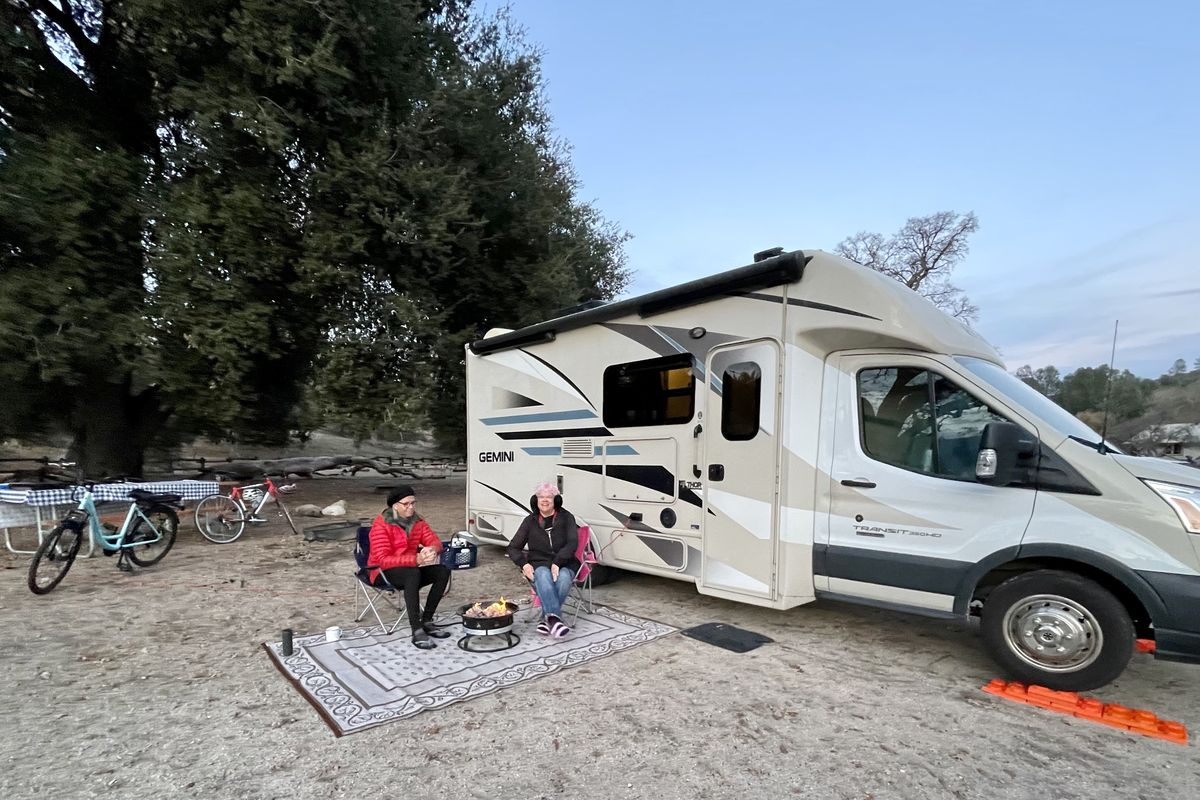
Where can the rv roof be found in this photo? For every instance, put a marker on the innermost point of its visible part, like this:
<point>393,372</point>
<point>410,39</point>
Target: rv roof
<point>784,268</point>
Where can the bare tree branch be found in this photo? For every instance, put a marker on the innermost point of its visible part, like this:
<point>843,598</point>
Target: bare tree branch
<point>922,255</point>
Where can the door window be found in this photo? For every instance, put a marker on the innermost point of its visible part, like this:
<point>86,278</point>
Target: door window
<point>921,421</point>
<point>741,399</point>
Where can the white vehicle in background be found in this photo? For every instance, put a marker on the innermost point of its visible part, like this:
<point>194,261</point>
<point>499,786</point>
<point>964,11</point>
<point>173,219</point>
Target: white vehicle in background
<point>805,427</point>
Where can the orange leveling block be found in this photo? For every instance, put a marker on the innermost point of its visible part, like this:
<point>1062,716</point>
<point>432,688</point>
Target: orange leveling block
<point>1134,720</point>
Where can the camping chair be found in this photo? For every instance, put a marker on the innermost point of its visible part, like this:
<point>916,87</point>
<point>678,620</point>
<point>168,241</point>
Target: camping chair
<point>370,592</point>
<point>580,598</point>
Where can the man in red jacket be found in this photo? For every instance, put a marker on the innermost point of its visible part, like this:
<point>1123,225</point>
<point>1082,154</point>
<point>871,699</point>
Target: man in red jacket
<point>407,554</point>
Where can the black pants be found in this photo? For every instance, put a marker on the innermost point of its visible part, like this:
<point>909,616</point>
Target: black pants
<point>410,580</point>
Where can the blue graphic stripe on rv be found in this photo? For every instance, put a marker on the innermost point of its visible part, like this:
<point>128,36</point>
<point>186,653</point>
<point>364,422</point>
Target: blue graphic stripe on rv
<point>547,416</point>
<point>614,450</point>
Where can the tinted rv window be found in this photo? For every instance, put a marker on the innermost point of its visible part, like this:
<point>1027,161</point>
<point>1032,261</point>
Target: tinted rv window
<point>741,394</point>
<point>659,391</point>
<point>921,421</point>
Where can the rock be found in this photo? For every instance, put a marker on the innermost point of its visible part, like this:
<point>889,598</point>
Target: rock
<point>308,510</point>
<point>338,509</point>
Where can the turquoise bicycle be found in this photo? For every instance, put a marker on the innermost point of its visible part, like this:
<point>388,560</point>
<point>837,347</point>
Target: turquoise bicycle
<point>145,536</point>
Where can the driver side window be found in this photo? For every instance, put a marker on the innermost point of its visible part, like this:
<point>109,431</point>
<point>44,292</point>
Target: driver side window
<point>921,421</point>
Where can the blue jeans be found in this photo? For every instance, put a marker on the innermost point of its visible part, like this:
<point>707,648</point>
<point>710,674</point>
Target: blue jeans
<point>552,593</point>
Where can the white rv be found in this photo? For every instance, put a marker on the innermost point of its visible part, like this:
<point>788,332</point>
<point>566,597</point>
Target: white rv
<point>805,427</point>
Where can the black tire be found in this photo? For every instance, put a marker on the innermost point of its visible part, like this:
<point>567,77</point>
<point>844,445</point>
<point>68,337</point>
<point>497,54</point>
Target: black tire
<point>602,574</point>
<point>166,523</point>
<point>1058,630</point>
<point>54,557</point>
<point>220,519</point>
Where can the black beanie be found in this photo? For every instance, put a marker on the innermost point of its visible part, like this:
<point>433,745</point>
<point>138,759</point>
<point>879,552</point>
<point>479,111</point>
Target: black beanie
<point>399,493</point>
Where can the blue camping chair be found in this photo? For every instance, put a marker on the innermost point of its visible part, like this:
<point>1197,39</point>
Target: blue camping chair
<point>370,592</point>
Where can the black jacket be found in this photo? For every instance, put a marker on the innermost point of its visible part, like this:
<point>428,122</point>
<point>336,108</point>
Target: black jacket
<point>533,544</point>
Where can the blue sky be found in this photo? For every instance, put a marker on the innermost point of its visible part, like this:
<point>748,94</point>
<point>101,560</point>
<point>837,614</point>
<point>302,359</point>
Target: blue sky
<point>710,130</point>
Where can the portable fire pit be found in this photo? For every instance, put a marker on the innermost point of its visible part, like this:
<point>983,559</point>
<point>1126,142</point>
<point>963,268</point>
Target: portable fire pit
<point>483,620</point>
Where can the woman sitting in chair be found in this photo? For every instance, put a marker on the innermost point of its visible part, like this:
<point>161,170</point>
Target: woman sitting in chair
<point>544,548</point>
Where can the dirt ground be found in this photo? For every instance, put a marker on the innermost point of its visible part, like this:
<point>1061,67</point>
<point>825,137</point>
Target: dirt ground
<point>155,684</point>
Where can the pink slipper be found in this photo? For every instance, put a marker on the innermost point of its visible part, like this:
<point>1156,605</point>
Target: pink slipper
<point>559,629</point>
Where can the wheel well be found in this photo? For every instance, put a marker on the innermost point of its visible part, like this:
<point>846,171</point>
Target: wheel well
<point>1137,611</point>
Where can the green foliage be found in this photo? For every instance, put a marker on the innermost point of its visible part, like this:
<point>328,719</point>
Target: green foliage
<point>248,217</point>
<point>1086,388</point>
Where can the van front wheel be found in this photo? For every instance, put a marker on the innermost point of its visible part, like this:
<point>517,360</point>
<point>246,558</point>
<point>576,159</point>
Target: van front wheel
<point>1057,629</point>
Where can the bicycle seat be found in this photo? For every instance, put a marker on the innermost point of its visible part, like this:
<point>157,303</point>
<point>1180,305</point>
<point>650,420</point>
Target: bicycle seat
<point>144,498</point>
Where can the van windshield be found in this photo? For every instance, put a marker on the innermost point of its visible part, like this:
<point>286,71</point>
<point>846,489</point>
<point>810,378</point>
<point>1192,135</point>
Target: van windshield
<point>1058,417</point>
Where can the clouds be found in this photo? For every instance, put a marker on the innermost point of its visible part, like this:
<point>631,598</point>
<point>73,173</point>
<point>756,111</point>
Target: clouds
<point>1061,310</point>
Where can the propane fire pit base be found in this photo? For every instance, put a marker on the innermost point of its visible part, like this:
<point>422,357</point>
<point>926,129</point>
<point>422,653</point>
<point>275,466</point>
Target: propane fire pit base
<point>511,639</point>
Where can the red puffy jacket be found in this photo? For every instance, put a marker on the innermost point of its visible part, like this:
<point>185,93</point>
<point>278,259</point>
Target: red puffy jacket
<point>391,546</point>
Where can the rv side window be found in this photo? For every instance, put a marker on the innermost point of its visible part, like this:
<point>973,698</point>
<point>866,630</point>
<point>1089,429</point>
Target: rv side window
<point>741,396</point>
<point>658,391</point>
<point>921,421</point>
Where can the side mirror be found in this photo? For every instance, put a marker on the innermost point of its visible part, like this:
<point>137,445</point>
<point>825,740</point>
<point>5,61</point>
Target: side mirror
<point>1001,447</point>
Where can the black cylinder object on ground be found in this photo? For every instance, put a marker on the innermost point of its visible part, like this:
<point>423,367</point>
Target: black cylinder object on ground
<point>287,642</point>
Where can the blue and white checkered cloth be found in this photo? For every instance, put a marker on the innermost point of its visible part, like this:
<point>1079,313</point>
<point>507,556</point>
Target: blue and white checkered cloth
<point>102,492</point>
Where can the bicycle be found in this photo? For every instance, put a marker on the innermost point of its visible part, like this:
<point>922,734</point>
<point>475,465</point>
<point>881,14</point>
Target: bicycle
<point>222,518</point>
<point>145,536</point>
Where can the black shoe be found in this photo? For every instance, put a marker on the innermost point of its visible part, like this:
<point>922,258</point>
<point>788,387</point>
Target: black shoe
<point>421,639</point>
<point>435,631</point>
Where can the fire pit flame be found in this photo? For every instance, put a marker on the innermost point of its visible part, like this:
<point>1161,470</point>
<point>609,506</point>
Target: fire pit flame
<point>497,609</point>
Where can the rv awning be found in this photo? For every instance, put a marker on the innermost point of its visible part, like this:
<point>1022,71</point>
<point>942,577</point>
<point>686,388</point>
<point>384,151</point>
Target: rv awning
<point>783,268</point>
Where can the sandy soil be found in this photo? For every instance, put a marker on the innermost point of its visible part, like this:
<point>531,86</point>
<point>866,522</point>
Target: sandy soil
<point>155,685</point>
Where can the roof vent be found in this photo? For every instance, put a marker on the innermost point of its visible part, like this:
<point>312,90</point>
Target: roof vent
<point>763,255</point>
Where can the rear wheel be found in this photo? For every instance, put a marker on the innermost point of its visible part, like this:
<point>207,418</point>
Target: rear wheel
<point>149,542</point>
<point>220,519</point>
<point>1057,629</point>
<point>54,557</point>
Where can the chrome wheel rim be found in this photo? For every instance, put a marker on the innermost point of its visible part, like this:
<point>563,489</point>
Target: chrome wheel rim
<point>1053,633</point>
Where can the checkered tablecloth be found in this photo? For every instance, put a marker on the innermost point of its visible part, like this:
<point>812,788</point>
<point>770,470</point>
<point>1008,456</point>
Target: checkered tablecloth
<point>102,492</point>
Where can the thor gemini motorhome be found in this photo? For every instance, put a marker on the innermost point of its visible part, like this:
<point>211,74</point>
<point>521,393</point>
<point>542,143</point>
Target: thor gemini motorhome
<point>805,427</point>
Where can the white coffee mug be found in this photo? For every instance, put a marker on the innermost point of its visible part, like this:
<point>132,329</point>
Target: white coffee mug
<point>333,633</point>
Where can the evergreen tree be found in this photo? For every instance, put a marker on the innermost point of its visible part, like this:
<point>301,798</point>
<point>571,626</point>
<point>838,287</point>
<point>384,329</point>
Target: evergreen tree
<point>240,217</point>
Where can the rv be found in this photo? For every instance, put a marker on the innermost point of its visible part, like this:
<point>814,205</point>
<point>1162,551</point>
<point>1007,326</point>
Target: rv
<point>804,427</point>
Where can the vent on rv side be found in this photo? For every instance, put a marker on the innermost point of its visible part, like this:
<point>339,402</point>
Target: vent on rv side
<point>577,448</point>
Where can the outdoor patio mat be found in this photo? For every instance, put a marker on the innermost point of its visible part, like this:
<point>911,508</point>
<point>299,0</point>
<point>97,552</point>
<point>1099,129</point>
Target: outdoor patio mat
<point>368,677</point>
<point>727,636</point>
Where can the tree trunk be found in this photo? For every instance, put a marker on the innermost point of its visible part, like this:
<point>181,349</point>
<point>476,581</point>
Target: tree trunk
<point>112,428</point>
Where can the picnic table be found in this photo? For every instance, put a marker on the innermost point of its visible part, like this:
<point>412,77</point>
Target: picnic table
<point>21,506</point>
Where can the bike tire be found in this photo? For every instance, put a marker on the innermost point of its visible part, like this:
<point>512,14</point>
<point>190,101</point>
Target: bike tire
<point>165,524</point>
<point>287,515</point>
<point>220,519</point>
<point>51,551</point>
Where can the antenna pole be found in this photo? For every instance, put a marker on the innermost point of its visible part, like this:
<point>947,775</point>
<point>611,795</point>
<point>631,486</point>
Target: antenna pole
<point>1108,388</point>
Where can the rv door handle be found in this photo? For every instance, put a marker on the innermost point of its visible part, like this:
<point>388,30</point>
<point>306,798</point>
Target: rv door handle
<point>716,472</point>
<point>859,483</point>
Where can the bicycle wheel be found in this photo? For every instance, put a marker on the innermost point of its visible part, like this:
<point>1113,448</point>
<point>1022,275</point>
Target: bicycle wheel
<point>148,543</point>
<point>286,515</point>
<point>54,557</point>
<point>220,519</point>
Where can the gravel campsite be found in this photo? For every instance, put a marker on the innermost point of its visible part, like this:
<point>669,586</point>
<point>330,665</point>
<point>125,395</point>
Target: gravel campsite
<point>156,683</point>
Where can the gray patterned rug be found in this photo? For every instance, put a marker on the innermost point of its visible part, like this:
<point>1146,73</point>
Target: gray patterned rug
<point>368,677</point>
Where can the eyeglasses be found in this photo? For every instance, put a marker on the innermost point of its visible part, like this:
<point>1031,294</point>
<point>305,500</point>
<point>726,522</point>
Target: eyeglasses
<point>409,503</point>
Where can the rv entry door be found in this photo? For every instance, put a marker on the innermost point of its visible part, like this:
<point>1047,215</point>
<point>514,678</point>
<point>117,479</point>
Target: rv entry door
<point>741,445</point>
